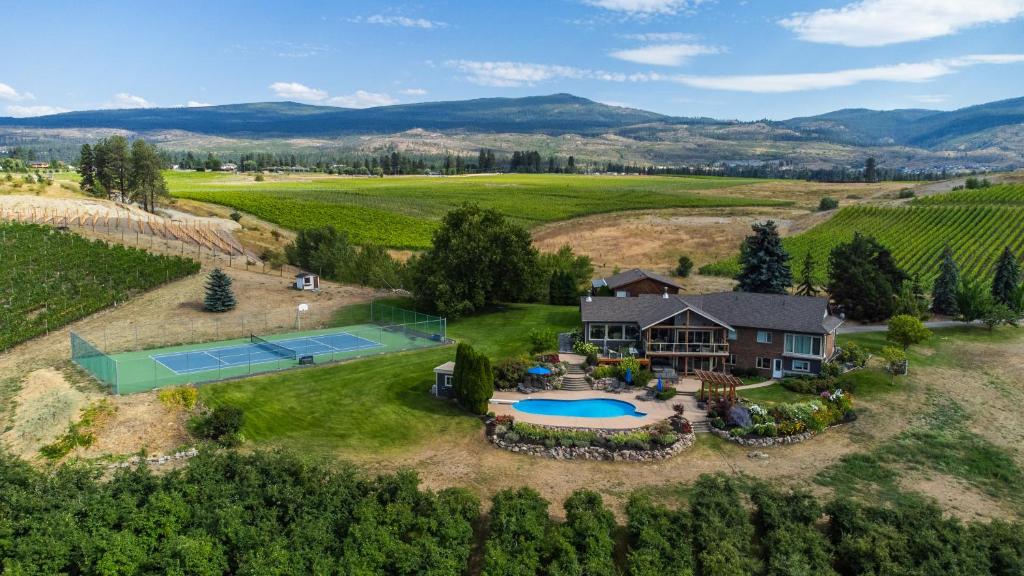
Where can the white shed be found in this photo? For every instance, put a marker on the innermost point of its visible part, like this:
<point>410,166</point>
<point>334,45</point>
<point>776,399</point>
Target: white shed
<point>307,281</point>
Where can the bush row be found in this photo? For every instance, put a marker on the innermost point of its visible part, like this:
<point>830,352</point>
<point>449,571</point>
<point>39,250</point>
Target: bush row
<point>656,436</point>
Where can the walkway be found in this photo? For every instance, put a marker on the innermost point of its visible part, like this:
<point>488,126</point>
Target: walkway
<point>862,328</point>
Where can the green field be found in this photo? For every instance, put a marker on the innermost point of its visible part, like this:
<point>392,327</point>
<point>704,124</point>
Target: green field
<point>51,278</point>
<point>381,403</point>
<point>402,212</point>
<point>976,224</point>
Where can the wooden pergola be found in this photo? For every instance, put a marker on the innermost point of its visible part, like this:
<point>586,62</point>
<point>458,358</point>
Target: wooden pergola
<point>720,385</point>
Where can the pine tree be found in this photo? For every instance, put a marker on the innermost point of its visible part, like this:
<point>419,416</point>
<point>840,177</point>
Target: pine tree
<point>481,387</point>
<point>765,263</point>
<point>946,286</point>
<point>807,286</point>
<point>1007,278</point>
<point>86,168</point>
<point>219,297</point>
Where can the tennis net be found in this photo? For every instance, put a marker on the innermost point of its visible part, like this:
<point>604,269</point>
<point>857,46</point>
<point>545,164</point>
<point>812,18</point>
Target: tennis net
<point>275,349</point>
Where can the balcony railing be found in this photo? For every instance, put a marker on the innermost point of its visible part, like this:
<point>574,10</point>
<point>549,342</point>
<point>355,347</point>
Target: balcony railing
<point>686,348</point>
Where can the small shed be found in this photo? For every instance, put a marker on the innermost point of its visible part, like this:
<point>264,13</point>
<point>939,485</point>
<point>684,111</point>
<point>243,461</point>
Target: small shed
<point>307,281</point>
<point>442,387</point>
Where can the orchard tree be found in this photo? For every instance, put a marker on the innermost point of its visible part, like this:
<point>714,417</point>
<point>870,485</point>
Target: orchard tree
<point>764,262</point>
<point>1007,278</point>
<point>907,330</point>
<point>895,361</point>
<point>947,285</point>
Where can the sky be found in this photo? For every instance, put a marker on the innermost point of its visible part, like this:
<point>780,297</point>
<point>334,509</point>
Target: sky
<point>727,59</point>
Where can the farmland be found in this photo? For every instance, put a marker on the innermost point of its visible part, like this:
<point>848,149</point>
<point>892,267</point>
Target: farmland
<point>403,212</point>
<point>976,224</point>
<point>52,278</point>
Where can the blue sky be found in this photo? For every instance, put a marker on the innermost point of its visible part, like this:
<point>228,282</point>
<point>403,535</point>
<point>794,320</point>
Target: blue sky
<point>744,59</point>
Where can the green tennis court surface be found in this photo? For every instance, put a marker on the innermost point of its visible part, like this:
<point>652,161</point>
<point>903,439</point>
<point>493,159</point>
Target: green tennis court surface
<point>129,372</point>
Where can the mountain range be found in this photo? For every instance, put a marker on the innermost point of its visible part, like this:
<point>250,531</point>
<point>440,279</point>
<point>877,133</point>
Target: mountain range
<point>987,135</point>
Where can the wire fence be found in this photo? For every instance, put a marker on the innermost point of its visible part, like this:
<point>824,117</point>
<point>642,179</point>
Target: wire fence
<point>136,358</point>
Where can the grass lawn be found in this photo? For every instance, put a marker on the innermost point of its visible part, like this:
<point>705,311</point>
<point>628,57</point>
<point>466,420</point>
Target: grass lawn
<point>378,404</point>
<point>774,394</point>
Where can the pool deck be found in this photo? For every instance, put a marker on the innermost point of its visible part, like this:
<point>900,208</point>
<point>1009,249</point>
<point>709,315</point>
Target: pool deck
<point>655,410</point>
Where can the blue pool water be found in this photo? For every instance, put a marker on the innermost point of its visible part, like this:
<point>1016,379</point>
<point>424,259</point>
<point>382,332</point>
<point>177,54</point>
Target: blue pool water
<point>589,408</point>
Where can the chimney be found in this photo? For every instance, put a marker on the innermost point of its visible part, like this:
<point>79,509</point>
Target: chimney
<point>665,293</point>
<point>590,298</point>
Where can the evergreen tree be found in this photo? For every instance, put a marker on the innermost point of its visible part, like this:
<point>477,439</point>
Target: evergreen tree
<point>463,367</point>
<point>870,170</point>
<point>946,286</point>
<point>1007,278</point>
<point>481,387</point>
<point>219,297</point>
<point>86,168</point>
<point>864,279</point>
<point>807,286</point>
<point>765,263</point>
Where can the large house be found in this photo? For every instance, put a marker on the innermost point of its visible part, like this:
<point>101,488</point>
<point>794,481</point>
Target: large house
<point>771,333</point>
<point>633,283</point>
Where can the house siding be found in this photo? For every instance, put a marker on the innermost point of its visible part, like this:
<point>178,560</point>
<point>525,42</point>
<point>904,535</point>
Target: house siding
<point>747,350</point>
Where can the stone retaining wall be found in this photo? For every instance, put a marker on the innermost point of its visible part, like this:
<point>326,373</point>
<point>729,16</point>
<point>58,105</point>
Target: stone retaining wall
<point>763,442</point>
<point>157,459</point>
<point>596,452</point>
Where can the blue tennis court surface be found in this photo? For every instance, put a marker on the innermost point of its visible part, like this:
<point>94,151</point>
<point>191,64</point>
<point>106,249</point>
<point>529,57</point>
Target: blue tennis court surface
<point>247,354</point>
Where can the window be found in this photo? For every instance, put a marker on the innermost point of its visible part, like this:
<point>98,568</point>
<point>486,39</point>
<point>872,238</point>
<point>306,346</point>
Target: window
<point>597,332</point>
<point>621,294</point>
<point>632,331</point>
<point>731,360</point>
<point>803,345</point>
<point>732,335</point>
<point>801,366</point>
<point>764,363</point>
<point>764,337</point>
<point>615,331</point>
<point>447,380</point>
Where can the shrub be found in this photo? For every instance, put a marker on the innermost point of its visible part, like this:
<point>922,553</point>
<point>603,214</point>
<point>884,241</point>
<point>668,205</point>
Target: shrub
<point>666,394</point>
<point>181,396</point>
<point>605,372</point>
<point>827,203</point>
<point>222,425</point>
<point>684,266</point>
<point>542,340</point>
<point>509,373</point>
<point>853,354</point>
<point>236,215</point>
<point>906,193</point>
<point>585,348</point>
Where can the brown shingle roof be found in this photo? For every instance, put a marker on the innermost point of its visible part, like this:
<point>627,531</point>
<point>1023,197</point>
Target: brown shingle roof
<point>630,276</point>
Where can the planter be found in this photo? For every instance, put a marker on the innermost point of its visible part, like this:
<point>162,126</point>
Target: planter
<point>593,452</point>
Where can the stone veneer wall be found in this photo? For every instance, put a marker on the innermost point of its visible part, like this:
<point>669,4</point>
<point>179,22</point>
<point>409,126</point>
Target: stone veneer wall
<point>597,452</point>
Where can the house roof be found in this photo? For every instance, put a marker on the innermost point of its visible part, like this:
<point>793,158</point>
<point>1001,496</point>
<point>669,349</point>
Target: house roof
<point>446,368</point>
<point>770,311</point>
<point>630,276</point>
<point>730,309</point>
<point>645,310</point>
<point>304,274</point>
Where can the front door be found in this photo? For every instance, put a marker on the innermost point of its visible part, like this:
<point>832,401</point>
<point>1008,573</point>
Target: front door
<point>777,368</point>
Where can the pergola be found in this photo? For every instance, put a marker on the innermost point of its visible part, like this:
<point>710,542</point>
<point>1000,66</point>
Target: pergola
<point>720,385</point>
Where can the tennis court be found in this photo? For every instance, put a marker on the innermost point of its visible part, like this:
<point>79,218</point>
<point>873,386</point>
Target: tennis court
<point>261,351</point>
<point>142,370</point>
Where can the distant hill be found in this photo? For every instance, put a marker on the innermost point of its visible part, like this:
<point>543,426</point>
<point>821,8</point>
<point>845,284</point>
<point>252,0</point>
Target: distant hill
<point>984,136</point>
<point>554,114</point>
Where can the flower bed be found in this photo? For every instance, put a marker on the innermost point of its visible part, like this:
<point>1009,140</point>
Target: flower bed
<point>654,442</point>
<point>753,425</point>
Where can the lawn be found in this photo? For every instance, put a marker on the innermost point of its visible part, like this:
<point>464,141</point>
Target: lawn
<point>402,212</point>
<point>380,404</point>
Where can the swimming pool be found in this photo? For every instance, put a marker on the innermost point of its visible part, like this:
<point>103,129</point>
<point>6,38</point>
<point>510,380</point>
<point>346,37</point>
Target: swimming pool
<point>587,408</point>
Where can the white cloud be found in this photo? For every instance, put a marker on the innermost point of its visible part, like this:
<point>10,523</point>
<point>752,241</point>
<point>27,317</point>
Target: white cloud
<point>777,83</point>
<point>660,37</point>
<point>883,22</point>
<point>9,93</point>
<point>645,7</point>
<point>403,21</point>
<point>25,111</point>
<point>363,99</point>
<point>124,100</point>
<point>194,104</point>
<point>414,92</point>
<point>297,91</point>
<point>514,74</point>
<point>664,54</point>
<point>931,98</point>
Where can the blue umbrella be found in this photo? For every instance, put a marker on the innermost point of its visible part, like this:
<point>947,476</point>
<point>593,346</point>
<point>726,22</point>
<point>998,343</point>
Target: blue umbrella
<point>659,383</point>
<point>629,375</point>
<point>539,371</point>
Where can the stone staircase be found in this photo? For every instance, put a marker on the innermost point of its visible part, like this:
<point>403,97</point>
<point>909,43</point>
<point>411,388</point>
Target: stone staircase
<point>698,418</point>
<point>575,379</point>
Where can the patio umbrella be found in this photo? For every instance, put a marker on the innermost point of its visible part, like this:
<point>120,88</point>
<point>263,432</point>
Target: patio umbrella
<point>539,371</point>
<point>629,375</point>
<point>659,383</point>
